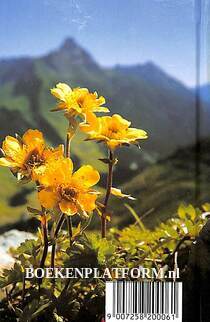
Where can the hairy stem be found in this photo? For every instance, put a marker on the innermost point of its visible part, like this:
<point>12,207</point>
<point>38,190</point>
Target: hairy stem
<point>69,224</point>
<point>68,145</point>
<point>68,154</point>
<point>108,192</point>
<point>45,250</point>
<point>23,289</point>
<point>57,229</point>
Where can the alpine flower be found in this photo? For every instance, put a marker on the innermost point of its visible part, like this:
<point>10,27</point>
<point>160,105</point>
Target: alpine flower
<point>69,192</point>
<point>113,130</point>
<point>27,154</point>
<point>77,101</point>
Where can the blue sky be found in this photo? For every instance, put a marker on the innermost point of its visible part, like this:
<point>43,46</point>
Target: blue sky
<point>113,31</point>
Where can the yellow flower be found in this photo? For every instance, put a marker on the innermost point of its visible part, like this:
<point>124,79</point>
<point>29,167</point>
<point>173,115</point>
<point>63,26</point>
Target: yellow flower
<point>27,154</point>
<point>77,101</point>
<point>70,192</point>
<point>113,130</point>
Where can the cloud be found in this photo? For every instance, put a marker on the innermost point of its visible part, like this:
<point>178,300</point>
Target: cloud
<point>70,11</point>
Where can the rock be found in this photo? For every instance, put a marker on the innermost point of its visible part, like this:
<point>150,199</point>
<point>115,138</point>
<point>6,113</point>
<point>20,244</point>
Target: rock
<point>11,238</point>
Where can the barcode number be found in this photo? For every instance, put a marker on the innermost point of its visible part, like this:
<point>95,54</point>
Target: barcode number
<point>143,301</point>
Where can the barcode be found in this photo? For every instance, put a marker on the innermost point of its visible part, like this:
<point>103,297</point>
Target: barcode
<point>143,301</point>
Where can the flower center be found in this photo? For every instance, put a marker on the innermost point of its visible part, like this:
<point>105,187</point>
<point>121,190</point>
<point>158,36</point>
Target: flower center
<point>69,194</point>
<point>34,160</point>
<point>113,132</point>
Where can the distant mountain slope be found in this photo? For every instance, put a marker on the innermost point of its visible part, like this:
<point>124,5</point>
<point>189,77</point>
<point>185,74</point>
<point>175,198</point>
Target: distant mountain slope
<point>160,188</point>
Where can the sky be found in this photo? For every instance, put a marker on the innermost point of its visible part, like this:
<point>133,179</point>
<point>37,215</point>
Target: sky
<point>114,31</point>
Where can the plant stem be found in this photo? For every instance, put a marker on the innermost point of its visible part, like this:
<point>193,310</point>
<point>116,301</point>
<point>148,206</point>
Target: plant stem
<point>61,219</point>
<point>45,251</point>
<point>68,145</point>
<point>108,192</point>
<point>69,224</point>
<point>58,227</point>
<point>68,155</point>
<point>23,289</point>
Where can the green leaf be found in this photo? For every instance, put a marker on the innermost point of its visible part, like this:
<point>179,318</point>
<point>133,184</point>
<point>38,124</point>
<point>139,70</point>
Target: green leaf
<point>104,160</point>
<point>186,211</point>
<point>182,211</point>
<point>28,247</point>
<point>34,211</point>
<point>206,207</point>
<point>40,310</point>
<point>105,251</point>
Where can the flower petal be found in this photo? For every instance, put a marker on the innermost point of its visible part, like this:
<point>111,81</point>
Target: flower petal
<point>58,93</point>
<point>120,121</point>
<point>135,134</point>
<point>101,109</point>
<point>64,87</point>
<point>38,172</point>
<point>58,171</point>
<point>87,201</point>
<point>48,198</point>
<point>11,145</point>
<point>86,176</point>
<point>91,123</point>
<point>7,163</point>
<point>118,193</point>
<point>68,207</point>
<point>14,150</point>
<point>56,153</point>
<point>33,139</point>
<point>61,90</point>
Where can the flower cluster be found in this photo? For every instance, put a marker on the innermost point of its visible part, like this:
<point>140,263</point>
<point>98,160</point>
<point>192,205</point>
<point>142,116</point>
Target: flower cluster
<point>26,155</point>
<point>113,130</point>
<point>77,101</point>
<point>60,188</point>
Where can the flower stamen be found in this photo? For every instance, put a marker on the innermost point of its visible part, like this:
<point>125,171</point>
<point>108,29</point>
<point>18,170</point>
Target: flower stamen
<point>34,160</point>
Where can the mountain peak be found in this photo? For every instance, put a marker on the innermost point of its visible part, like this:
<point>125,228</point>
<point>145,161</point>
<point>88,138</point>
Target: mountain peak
<point>69,44</point>
<point>68,54</point>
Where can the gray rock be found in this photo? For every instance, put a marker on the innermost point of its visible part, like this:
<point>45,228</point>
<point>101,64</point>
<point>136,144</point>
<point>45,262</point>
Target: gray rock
<point>11,238</point>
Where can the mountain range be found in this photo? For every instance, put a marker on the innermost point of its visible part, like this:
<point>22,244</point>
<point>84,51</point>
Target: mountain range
<point>143,93</point>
